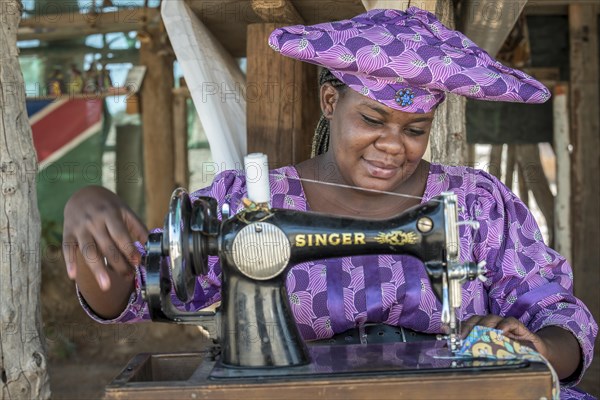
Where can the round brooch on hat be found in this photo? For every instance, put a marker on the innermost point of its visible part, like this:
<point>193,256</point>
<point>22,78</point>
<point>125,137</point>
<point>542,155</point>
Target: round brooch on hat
<point>404,97</point>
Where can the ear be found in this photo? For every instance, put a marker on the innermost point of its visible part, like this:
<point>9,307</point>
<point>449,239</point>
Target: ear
<point>328,96</point>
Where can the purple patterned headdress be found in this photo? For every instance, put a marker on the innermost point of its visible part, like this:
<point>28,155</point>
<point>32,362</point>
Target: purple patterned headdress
<point>406,60</point>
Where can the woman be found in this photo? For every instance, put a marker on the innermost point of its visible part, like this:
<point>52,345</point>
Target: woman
<point>388,72</point>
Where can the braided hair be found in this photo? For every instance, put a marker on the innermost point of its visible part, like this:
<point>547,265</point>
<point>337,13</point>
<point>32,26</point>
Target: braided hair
<point>320,142</point>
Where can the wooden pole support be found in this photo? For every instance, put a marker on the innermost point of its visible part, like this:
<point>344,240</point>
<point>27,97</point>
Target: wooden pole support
<point>585,191</point>
<point>282,101</point>
<point>157,119</point>
<point>562,149</point>
<point>281,11</point>
<point>23,360</point>
<point>180,140</point>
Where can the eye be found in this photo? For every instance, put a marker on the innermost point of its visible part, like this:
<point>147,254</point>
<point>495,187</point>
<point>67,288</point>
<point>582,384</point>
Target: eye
<point>371,121</point>
<point>415,132</point>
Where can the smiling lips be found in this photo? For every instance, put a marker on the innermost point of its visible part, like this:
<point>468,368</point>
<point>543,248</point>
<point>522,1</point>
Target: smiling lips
<point>380,169</point>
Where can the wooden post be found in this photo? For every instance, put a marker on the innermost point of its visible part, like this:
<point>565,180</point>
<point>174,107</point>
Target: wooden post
<point>180,137</point>
<point>130,181</point>
<point>471,156</point>
<point>276,11</point>
<point>281,98</point>
<point>562,147</point>
<point>157,117</point>
<point>585,191</point>
<point>528,157</point>
<point>495,166</point>
<point>281,93</point>
<point>429,5</point>
<point>523,190</point>
<point>67,24</point>
<point>23,360</point>
<point>449,132</point>
<point>511,159</point>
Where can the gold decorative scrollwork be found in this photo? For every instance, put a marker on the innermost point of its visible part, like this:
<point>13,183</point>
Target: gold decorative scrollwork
<point>397,238</point>
<point>254,208</point>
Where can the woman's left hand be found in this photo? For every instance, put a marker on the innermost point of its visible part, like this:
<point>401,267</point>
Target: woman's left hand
<point>510,327</point>
<point>556,344</point>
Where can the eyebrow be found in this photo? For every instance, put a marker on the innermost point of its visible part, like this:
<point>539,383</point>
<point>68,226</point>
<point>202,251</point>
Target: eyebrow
<point>373,107</point>
<point>384,112</point>
<point>422,119</point>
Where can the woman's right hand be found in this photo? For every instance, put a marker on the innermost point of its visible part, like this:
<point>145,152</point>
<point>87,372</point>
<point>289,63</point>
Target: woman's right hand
<point>98,241</point>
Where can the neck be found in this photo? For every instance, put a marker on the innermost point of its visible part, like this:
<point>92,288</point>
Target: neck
<point>340,200</point>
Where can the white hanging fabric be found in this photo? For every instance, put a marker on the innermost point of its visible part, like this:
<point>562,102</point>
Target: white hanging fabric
<point>215,81</point>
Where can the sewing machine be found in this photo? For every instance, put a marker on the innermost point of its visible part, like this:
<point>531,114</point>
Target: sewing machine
<point>258,350</point>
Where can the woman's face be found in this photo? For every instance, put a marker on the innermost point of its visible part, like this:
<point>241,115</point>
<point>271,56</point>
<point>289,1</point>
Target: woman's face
<point>373,146</point>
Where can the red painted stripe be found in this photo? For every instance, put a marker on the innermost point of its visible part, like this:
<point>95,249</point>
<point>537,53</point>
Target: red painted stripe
<point>64,124</point>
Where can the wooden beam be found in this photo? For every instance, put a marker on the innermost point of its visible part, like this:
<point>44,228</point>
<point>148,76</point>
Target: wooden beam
<point>471,156</point>
<point>70,23</point>
<point>23,358</point>
<point>429,5</point>
<point>585,191</point>
<point>554,7</point>
<point>129,162</point>
<point>127,56</point>
<point>551,3</point>
<point>182,91</point>
<point>448,138</point>
<point>543,73</point>
<point>281,96</point>
<point>489,23</point>
<point>157,118</point>
<point>528,158</point>
<point>562,149</point>
<point>523,190</point>
<point>495,166</point>
<point>180,139</point>
<point>279,11</point>
<point>511,159</point>
<point>78,51</point>
<point>110,92</point>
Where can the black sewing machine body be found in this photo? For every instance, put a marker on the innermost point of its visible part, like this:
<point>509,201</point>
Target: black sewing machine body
<point>258,246</point>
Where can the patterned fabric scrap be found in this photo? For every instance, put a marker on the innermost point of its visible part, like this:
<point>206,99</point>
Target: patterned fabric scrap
<point>491,343</point>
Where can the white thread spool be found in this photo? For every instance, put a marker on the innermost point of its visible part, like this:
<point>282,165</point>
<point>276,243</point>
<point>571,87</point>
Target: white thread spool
<point>257,177</point>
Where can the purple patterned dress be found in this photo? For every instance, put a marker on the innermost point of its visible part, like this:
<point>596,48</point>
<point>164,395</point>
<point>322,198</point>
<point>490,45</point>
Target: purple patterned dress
<point>526,279</point>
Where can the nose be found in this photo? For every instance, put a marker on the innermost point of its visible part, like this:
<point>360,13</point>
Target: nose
<point>390,141</point>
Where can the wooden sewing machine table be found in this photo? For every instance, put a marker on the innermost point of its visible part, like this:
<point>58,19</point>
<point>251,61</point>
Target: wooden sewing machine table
<point>374,371</point>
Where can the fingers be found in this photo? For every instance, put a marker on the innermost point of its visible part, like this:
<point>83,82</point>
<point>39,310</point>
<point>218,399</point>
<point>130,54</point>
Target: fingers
<point>121,232</point>
<point>511,326</point>
<point>515,329</point>
<point>115,256</point>
<point>125,231</point>
<point>69,248</point>
<point>468,325</point>
<point>136,226</point>
<point>99,252</point>
<point>94,260</point>
<point>489,321</point>
<point>113,235</point>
